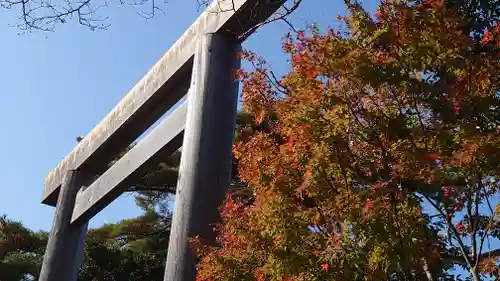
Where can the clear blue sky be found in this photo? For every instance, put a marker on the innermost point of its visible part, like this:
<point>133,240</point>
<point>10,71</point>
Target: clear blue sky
<point>58,87</point>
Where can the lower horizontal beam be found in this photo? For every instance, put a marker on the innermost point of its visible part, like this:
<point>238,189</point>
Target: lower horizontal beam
<point>160,142</point>
<point>161,87</point>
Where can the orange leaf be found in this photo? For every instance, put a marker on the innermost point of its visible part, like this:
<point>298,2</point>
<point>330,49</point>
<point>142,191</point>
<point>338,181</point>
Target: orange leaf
<point>486,38</point>
<point>277,238</point>
<point>434,155</point>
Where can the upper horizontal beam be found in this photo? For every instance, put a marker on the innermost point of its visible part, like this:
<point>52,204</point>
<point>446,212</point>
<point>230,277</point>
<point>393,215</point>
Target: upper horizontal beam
<point>161,142</point>
<point>161,87</point>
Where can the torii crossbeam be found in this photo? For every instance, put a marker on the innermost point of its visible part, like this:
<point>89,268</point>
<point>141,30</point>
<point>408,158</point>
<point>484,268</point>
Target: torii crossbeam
<point>201,61</point>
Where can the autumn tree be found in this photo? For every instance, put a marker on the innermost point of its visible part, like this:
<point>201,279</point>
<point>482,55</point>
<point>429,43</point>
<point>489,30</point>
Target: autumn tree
<point>155,194</point>
<point>380,158</point>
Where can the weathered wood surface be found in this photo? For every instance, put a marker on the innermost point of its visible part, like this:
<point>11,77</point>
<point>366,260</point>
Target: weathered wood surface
<point>162,86</point>
<point>162,141</point>
<point>64,251</point>
<point>206,160</point>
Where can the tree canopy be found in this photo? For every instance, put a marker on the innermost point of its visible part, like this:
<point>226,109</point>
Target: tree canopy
<point>381,157</point>
<point>132,249</point>
<point>106,257</point>
<point>376,157</point>
<point>21,250</point>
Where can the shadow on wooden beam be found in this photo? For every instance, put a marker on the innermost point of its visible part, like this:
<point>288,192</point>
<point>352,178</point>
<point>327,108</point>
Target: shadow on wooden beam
<point>160,143</point>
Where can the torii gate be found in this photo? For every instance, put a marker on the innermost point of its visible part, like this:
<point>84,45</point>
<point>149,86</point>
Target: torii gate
<point>201,61</point>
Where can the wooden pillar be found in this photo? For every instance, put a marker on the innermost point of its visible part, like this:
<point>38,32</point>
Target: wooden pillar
<point>205,167</point>
<point>64,251</point>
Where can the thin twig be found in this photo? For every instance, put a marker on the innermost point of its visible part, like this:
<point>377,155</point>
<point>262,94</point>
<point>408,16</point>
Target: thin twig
<point>283,17</point>
<point>454,231</point>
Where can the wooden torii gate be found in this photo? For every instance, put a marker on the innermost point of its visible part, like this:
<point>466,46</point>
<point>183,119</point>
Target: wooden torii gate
<point>200,63</point>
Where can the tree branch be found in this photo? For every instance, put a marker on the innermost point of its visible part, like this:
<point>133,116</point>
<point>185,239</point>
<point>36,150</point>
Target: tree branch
<point>454,231</point>
<point>43,15</point>
<point>490,222</point>
<point>279,16</point>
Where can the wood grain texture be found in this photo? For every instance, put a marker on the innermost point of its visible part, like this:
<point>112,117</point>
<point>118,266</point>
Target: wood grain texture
<point>161,87</point>
<point>64,251</point>
<point>206,160</point>
<point>162,141</point>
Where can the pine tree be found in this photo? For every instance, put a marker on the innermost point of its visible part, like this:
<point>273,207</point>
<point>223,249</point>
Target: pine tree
<point>21,250</point>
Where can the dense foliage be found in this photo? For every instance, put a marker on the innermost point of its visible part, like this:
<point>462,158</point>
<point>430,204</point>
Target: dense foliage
<point>106,258</point>
<point>21,251</point>
<point>132,249</point>
<point>381,154</point>
<point>376,157</point>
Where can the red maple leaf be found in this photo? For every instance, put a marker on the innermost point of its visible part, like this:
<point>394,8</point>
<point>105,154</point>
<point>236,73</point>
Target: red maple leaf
<point>456,106</point>
<point>324,267</point>
<point>486,38</point>
<point>368,206</point>
<point>446,191</point>
<point>297,58</point>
